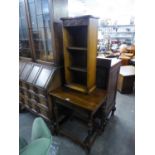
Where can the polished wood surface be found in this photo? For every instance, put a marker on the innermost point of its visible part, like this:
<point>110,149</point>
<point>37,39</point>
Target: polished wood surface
<point>126,79</point>
<point>82,107</point>
<point>86,101</point>
<point>112,87</point>
<point>66,41</point>
<point>107,76</point>
<point>108,62</point>
<point>80,46</point>
<point>36,80</point>
<point>91,54</point>
<point>92,109</point>
<point>78,87</point>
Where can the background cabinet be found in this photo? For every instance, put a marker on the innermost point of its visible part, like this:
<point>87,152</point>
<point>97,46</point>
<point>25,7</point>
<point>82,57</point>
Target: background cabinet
<point>40,38</point>
<point>107,77</point>
<point>24,42</point>
<point>40,28</point>
<point>36,81</point>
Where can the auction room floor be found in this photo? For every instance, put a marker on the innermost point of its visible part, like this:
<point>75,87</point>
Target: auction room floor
<point>117,139</point>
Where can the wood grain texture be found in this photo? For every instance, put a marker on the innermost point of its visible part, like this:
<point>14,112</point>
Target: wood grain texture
<point>107,76</point>
<point>112,87</point>
<point>92,52</point>
<point>67,40</point>
<point>126,79</point>
<point>34,96</point>
<point>78,87</point>
<point>80,46</point>
<point>89,102</point>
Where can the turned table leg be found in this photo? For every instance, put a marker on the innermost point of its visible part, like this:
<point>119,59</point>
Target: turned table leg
<point>90,126</point>
<point>103,118</point>
<point>56,123</point>
<point>90,132</point>
<point>113,111</point>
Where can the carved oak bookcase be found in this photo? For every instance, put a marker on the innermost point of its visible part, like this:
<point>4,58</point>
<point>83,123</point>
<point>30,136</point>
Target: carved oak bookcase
<point>80,44</point>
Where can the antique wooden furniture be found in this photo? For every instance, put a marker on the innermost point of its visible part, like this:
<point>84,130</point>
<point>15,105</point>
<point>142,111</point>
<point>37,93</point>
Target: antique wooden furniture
<point>36,81</point>
<point>107,76</point>
<point>93,109</point>
<point>127,55</point>
<point>78,99</point>
<point>40,33</point>
<point>40,47</point>
<point>83,107</point>
<point>80,46</point>
<point>126,79</point>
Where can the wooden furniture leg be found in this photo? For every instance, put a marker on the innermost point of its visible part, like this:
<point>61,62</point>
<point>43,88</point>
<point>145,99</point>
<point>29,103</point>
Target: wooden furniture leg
<point>90,126</point>
<point>56,123</point>
<point>113,111</point>
<point>90,132</point>
<point>103,119</point>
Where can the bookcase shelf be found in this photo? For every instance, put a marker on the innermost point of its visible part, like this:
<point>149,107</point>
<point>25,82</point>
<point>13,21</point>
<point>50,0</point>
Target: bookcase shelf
<point>76,86</point>
<point>71,48</point>
<point>78,69</point>
<point>80,47</point>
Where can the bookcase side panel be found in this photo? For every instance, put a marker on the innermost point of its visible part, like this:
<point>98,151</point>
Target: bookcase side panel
<point>67,59</point>
<point>92,52</point>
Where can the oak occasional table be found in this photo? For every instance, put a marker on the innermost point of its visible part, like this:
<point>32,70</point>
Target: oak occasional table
<point>87,108</point>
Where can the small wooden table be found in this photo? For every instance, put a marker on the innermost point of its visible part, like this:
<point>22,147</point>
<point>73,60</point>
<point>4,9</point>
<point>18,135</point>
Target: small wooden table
<point>126,79</point>
<point>88,104</point>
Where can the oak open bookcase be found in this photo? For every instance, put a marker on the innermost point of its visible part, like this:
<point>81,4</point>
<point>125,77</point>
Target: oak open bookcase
<point>80,43</point>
